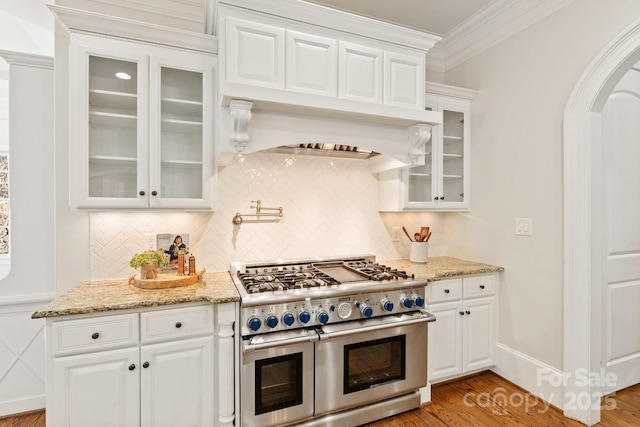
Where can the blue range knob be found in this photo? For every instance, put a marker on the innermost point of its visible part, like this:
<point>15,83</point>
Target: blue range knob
<point>323,317</point>
<point>387,305</point>
<point>288,319</point>
<point>254,323</point>
<point>304,317</point>
<point>407,302</point>
<point>271,321</point>
<point>366,311</point>
<point>418,300</point>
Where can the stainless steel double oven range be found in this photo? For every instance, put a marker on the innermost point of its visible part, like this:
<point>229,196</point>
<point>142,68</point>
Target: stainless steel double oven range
<point>331,342</point>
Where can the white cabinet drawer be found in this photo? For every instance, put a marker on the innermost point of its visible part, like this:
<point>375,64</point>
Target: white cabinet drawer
<point>444,290</point>
<point>479,286</point>
<point>176,323</point>
<point>94,334</point>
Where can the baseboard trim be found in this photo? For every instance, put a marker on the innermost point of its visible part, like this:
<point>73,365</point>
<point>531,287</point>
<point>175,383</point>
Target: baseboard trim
<point>534,376</point>
<point>20,406</point>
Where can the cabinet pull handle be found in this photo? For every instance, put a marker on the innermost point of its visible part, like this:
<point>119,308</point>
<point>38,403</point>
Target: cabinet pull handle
<point>132,367</point>
<point>145,365</point>
<point>468,312</point>
<point>179,325</point>
<point>446,291</point>
<point>141,192</point>
<point>154,193</point>
<point>95,335</point>
<point>462,313</point>
<point>481,286</point>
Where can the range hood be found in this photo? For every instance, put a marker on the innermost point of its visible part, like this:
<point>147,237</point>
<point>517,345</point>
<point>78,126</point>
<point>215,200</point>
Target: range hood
<point>327,150</point>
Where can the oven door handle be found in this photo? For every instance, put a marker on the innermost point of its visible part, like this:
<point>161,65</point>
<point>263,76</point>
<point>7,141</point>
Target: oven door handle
<point>249,346</point>
<point>416,318</point>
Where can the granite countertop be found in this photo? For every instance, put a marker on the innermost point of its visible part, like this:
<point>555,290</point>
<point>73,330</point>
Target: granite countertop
<point>216,288</point>
<point>118,294</point>
<point>441,267</point>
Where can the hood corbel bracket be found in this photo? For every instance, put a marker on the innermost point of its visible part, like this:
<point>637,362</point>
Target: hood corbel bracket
<point>240,112</point>
<point>419,134</point>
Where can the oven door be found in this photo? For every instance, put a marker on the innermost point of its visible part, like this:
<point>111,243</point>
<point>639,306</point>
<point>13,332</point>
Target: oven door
<point>370,360</point>
<point>277,378</point>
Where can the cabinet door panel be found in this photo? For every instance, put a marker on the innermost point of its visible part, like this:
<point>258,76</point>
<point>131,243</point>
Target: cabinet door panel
<point>312,64</point>
<point>404,80</point>
<point>478,347</point>
<point>177,385</point>
<point>360,73</point>
<point>96,389</point>
<point>445,341</point>
<point>254,53</point>
<point>454,186</point>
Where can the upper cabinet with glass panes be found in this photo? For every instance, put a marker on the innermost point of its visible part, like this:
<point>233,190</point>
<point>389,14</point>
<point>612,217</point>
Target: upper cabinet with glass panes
<point>141,125</point>
<point>442,182</point>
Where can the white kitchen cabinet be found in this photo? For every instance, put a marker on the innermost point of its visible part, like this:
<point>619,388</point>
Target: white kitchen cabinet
<point>311,64</point>
<point>96,389</point>
<point>147,368</point>
<point>404,80</point>
<point>463,338</point>
<point>176,383</point>
<point>442,182</point>
<point>141,125</point>
<point>360,73</point>
<point>255,53</point>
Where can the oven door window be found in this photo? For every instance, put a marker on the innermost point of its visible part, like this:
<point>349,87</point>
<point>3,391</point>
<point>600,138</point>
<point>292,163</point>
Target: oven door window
<point>278,383</point>
<point>371,363</point>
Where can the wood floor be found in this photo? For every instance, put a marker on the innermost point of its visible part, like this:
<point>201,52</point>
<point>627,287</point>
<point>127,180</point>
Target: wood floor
<point>482,400</point>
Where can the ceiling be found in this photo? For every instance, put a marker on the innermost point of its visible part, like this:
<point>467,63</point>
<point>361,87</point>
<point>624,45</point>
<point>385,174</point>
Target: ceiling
<point>432,16</point>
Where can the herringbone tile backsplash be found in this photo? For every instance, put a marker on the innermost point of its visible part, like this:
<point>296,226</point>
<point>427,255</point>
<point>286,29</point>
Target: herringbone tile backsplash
<point>330,208</point>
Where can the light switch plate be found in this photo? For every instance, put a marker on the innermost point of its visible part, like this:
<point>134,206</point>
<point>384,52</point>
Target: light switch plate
<point>395,234</point>
<point>524,227</point>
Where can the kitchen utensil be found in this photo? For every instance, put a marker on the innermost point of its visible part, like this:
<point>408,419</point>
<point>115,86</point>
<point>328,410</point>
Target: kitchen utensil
<point>417,237</point>
<point>428,237</point>
<point>424,232</point>
<point>406,233</point>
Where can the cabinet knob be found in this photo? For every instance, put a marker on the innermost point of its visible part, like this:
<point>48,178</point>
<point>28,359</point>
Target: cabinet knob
<point>481,286</point>
<point>132,367</point>
<point>462,313</point>
<point>446,291</point>
<point>154,193</point>
<point>95,335</point>
<point>435,198</point>
<point>179,325</point>
<point>467,312</point>
<point>442,198</point>
<point>141,192</point>
<point>145,365</point>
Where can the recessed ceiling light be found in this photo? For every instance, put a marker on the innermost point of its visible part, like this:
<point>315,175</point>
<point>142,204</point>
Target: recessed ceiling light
<point>122,75</point>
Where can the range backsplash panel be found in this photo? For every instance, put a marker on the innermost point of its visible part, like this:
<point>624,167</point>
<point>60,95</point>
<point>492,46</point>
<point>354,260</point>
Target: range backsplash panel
<point>330,208</point>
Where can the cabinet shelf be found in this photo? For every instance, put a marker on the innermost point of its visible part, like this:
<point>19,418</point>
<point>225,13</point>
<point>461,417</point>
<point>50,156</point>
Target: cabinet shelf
<point>452,156</point>
<point>115,120</point>
<point>452,138</point>
<point>181,126</point>
<point>113,160</point>
<point>420,175</point>
<point>452,176</point>
<point>112,99</point>
<point>182,107</point>
<point>182,163</point>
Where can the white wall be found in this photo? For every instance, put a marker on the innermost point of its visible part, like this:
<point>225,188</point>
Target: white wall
<point>524,84</point>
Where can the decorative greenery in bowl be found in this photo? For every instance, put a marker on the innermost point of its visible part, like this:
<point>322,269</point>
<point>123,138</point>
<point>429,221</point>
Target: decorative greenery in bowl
<point>148,257</point>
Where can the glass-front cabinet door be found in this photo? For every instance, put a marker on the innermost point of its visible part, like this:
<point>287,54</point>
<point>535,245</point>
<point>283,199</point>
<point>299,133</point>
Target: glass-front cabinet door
<point>141,126</point>
<point>181,132</point>
<point>109,128</point>
<point>443,181</point>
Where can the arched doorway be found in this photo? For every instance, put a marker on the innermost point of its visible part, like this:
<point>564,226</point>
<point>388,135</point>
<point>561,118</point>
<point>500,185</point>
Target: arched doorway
<point>582,303</point>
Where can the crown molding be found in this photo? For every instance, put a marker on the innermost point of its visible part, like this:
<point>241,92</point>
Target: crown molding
<point>453,91</point>
<point>314,14</point>
<point>494,23</point>
<point>84,21</point>
<point>27,59</point>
